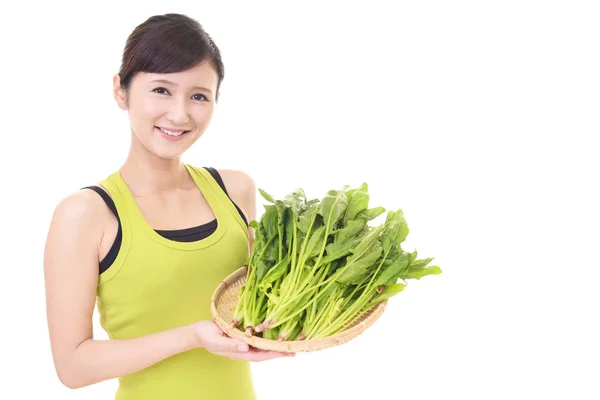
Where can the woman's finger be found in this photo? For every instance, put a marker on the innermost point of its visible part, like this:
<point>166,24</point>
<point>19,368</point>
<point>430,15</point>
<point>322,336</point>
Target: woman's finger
<point>254,355</point>
<point>226,344</point>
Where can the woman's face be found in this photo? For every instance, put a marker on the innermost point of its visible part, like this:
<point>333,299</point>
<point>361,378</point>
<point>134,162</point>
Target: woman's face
<point>162,106</point>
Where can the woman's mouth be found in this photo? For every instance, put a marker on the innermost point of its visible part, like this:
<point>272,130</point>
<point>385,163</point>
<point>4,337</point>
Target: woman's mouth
<point>170,134</point>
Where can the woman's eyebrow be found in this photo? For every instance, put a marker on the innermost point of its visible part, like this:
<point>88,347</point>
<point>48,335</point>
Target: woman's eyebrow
<point>174,84</point>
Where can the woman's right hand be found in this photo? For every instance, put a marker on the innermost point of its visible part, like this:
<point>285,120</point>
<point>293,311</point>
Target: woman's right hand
<point>213,339</point>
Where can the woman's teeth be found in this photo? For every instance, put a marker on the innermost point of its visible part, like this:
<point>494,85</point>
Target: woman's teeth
<point>171,133</point>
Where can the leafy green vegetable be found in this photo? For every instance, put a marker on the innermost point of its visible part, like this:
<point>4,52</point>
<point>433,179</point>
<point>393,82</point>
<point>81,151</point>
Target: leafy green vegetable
<point>318,264</point>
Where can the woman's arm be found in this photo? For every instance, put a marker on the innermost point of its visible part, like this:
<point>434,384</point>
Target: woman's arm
<point>71,277</point>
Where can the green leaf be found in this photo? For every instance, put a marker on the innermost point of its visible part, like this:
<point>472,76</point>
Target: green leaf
<point>395,230</point>
<point>358,202</point>
<point>275,273</point>
<point>390,291</point>
<point>281,210</point>
<point>335,265</point>
<point>271,254</point>
<point>350,193</point>
<point>352,229</point>
<point>294,200</point>
<point>332,207</point>
<point>266,196</point>
<point>402,229</point>
<point>355,272</point>
<point>289,227</point>
<point>366,242</point>
<point>337,249</point>
<point>315,242</point>
<point>412,257</point>
<point>371,213</point>
<point>393,270</point>
<point>307,217</point>
<point>261,269</point>
<point>418,273</point>
<point>269,221</point>
<point>262,235</point>
<point>420,263</point>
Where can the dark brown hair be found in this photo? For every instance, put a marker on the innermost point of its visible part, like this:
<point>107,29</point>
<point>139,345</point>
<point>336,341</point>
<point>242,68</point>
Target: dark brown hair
<point>168,43</point>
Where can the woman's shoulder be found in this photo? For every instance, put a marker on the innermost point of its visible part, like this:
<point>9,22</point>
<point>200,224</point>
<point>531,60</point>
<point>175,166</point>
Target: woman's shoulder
<point>82,209</point>
<point>237,180</point>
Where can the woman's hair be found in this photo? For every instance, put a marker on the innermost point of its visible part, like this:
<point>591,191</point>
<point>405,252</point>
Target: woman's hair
<point>168,43</point>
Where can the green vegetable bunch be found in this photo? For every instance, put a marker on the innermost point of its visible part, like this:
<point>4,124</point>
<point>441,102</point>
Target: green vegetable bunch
<point>317,265</point>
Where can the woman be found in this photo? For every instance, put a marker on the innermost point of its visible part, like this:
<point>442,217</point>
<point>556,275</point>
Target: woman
<point>152,241</point>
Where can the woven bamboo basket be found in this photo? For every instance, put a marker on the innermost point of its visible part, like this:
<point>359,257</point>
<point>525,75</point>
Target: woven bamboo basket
<point>225,298</point>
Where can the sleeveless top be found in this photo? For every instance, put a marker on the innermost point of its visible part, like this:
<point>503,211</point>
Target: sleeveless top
<point>155,284</point>
<point>181,235</point>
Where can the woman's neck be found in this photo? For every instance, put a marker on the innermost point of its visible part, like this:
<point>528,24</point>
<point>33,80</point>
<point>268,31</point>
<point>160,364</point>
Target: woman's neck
<point>146,173</point>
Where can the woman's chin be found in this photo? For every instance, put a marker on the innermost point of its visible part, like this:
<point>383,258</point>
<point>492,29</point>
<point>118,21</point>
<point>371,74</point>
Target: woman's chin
<point>167,155</point>
<point>161,148</point>
<point>165,152</point>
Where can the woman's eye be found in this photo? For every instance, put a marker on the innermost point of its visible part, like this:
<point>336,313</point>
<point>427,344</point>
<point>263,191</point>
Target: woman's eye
<point>160,90</point>
<point>199,97</point>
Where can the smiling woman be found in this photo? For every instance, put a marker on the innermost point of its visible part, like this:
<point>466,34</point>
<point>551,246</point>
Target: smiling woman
<point>171,96</point>
<point>151,242</point>
<point>176,109</point>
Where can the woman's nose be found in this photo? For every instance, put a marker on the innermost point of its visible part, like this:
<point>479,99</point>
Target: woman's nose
<point>179,113</point>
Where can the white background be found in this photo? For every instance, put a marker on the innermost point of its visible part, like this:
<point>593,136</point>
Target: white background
<point>478,118</point>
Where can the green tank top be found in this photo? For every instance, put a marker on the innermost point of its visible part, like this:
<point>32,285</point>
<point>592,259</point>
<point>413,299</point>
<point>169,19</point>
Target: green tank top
<point>156,284</point>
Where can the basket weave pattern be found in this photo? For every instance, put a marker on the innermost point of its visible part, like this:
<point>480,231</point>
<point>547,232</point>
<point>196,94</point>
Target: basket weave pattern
<point>225,298</point>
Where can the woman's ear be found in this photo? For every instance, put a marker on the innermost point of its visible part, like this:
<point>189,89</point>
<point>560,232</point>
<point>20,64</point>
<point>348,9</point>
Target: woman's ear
<point>119,93</point>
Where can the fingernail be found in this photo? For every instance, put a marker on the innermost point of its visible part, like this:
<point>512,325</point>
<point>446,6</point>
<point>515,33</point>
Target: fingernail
<point>242,347</point>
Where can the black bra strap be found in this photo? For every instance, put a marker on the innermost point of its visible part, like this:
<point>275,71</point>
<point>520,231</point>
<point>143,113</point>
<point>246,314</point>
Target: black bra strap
<point>107,199</point>
<point>110,258</point>
<point>215,174</point>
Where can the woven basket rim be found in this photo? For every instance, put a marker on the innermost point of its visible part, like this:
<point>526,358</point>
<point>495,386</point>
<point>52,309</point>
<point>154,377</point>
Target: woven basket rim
<point>292,345</point>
